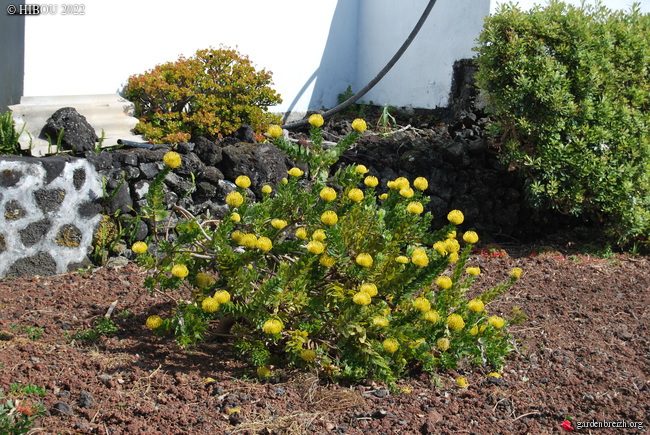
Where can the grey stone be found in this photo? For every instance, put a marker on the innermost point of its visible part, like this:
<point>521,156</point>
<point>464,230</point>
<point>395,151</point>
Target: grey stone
<point>34,232</point>
<point>212,174</point>
<point>49,200</point>
<point>191,164</point>
<point>14,211</point>
<point>39,264</point>
<point>3,243</point>
<point>209,152</point>
<point>180,185</point>
<point>78,178</point>
<point>69,236</point>
<point>89,208</point>
<point>78,135</point>
<point>149,170</point>
<point>262,163</point>
<point>121,200</point>
<point>86,400</point>
<point>62,408</point>
<point>9,177</point>
<point>140,189</point>
<point>100,161</point>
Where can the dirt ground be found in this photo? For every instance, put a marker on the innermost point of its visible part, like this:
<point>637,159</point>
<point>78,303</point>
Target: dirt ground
<point>583,354</point>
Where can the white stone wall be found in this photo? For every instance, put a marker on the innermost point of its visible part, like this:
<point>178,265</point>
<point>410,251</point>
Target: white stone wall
<point>48,214</point>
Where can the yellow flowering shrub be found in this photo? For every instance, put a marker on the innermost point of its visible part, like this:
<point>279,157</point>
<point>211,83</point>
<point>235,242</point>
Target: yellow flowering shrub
<point>331,271</point>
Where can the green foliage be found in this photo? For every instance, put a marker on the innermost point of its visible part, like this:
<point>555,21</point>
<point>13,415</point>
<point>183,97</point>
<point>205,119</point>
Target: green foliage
<point>8,135</point>
<point>211,93</point>
<point>17,415</point>
<point>570,91</point>
<point>104,326</point>
<point>354,298</point>
<point>33,332</point>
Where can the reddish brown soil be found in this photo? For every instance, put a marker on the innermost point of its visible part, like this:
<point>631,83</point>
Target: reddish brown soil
<point>583,353</point>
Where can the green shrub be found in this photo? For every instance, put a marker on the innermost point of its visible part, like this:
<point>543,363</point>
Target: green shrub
<point>8,135</point>
<point>212,93</point>
<point>569,89</point>
<point>324,274</point>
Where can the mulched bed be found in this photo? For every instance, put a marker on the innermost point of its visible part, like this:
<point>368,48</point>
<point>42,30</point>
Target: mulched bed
<point>583,353</point>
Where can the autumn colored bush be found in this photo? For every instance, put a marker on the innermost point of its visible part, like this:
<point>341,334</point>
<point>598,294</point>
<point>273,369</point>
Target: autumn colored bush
<point>212,93</point>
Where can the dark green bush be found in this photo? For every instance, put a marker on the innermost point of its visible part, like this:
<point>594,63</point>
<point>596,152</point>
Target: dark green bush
<point>212,93</point>
<point>8,135</point>
<point>569,90</point>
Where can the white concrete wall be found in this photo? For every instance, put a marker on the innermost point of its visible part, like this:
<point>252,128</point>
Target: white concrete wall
<point>12,50</point>
<point>422,77</point>
<point>119,38</point>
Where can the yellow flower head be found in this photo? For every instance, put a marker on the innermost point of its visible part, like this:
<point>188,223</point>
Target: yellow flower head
<point>431,316</point>
<point>422,304</point>
<point>453,257</point>
<point>248,240</point>
<point>234,199</point>
<point>355,195</point>
<point>456,217</point>
<point>497,322</point>
<point>315,247</point>
<point>444,282</point>
<point>267,189</point>
<point>154,322</point>
<point>440,248</point>
<point>451,235</point>
<point>172,159</point>
<point>364,260</point>
<point>329,217</point>
<point>204,280</point>
<point>406,192</point>
<point>421,183</point>
<point>308,355</point>
<point>235,217</point>
<point>263,372</point>
<point>361,298</point>
<point>474,330</point>
<point>209,305</point>
<point>264,244</point>
<point>383,196</point>
<point>328,194</point>
<point>180,271</point>
<point>361,169</point>
<point>402,183</point>
<point>237,236</point>
<point>402,259</point>
<point>415,207</point>
<point>494,375</point>
<point>272,326</point>
<point>462,382</point>
<point>139,247</point>
<point>443,344</point>
<point>359,125</point>
<point>301,233</point>
<point>473,271</point>
<point>455,322</point>
<point>296,172</point>
<point>316,120</point>
<point>222,296</point>
<point>470,237</point>
<point>327,260</point>
<point>371,181</point>
<point>278,224</point>
<point>274,131</point>
<point>380,321</point>
<point>516,273</point>
<point>419,257</point>
<point>451,245</point>
<point>284,180</point>
<point>390,345</point>
<point>369,288</point>
<point>319,235</point>
<point>243,181</point>
<point>476,305</point>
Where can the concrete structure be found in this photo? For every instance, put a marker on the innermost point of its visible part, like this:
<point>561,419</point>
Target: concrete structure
<point>12,56</point>
<point>314,49</point>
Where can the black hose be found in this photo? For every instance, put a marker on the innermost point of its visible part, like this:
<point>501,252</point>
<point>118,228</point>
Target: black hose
<point>373,82</point>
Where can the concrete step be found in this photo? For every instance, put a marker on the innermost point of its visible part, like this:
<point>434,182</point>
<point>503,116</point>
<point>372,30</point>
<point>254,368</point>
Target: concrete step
<point>110,113</point>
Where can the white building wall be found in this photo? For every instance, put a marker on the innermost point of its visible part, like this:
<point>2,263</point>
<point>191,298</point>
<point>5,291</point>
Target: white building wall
<point>422,77</point>
<point>314,49</point>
